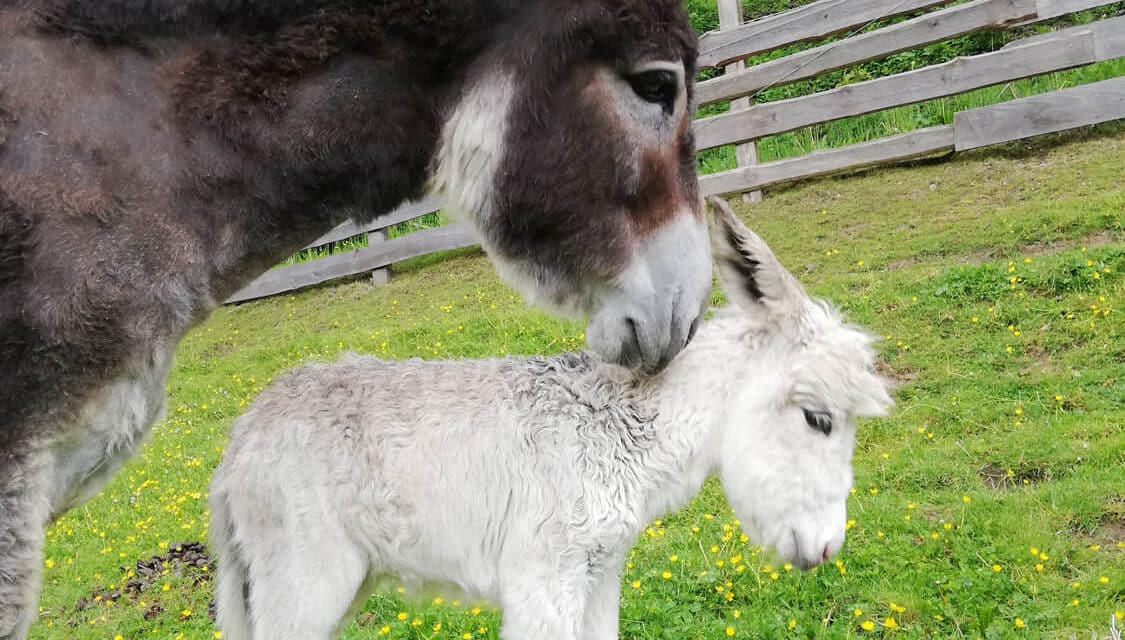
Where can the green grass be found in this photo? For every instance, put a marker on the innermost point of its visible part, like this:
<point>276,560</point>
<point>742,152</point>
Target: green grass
<point>1011,394</point>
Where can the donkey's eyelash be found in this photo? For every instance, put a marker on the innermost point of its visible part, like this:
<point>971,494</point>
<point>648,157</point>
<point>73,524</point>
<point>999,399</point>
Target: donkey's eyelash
<point>819,420</point>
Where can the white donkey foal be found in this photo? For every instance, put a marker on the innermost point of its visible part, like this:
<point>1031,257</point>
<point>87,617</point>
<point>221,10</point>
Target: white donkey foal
<point>526,480</point>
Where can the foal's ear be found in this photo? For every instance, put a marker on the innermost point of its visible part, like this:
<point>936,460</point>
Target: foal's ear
<point>751,275</point>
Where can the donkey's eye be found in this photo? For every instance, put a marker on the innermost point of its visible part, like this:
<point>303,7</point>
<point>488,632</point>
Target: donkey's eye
<point>819,420</point>
<point>658,86</point>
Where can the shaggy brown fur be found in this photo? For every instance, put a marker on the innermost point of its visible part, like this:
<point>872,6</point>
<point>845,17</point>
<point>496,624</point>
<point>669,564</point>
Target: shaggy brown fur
<point>156,155</point>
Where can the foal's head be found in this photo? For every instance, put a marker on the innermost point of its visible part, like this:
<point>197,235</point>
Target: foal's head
<point>571,150</point>
<point>801,378</point>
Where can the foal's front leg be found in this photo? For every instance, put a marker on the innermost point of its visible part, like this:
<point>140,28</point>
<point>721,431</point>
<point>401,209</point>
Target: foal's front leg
<point>603,609</point>
<point>24,512</point>
<point>541,604</point>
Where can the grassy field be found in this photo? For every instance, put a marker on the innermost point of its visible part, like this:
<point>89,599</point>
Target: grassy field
<point>990,504</point>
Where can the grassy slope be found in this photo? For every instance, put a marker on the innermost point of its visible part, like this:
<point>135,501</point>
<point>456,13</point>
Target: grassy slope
<point>1008,436</point>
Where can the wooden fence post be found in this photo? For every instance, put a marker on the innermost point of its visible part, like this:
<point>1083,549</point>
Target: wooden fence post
<point>730,16</point>
<point>383,274</point>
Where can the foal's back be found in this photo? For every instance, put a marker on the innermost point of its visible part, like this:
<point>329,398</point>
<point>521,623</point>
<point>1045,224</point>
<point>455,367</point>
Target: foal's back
<point>366,466</point>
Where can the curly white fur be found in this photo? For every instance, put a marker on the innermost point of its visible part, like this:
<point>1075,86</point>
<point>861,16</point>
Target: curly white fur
<point>526,480</point>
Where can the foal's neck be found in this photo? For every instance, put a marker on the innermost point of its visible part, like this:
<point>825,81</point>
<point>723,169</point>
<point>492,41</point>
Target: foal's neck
<point>690,398</point>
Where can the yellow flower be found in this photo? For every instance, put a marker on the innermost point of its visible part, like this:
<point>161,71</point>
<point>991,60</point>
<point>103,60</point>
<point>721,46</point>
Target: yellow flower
<point>476,611</point>
<point>858,612</point>
<point>217,635</point>
<point>384,630</point>
<point>996,568</point>
<point>792,624</point>
<point>636,584</point>
<point>1034,551</point>
<point>667,575</point>
<point>890,623</point>
<point>467,635</point>
<point>897,608</point>
<point>402,615</point>
<point>118,637</point>
<point>737,613</point>
<point>868,625</point>
<point>1103,580</point>
<point>775,575</point>
<point>730,631</point>
<point>966,499</point>
<point>186,613</point>
<point>1039,566</point>
<point>437,627</point>
<point>1020,624</point>
<point>673,558</point>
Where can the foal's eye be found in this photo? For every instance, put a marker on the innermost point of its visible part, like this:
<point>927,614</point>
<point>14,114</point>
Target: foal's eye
<point>658,86</point>
<point>819,420</point>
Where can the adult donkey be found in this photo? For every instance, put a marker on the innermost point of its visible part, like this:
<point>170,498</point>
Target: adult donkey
<point>156,155</point>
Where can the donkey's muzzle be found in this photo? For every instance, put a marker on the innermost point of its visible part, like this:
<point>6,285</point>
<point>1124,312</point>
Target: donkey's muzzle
<point>656,306</point>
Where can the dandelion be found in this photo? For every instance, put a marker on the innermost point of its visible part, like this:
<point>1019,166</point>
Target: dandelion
<point>792,624</point>
<point>1020,624</point>
<point>667,575</point>
<point>730,631</point>
<point>858,612</point>
<point>897,608</point>
<point>774,575</point>
<point>217,635</point>
<point>996,568</point>
<point>402,615</point>
<point>1103,580</point>
<point>966,499</point>
<point>1095,547</point>
<point>890,623</point>
<point>384,630</point>
<point>1039,567</point>
<point>867,625</point>
<point>1034,551</point>
<point>437,627</point>
<point>467,636</point>
<point>636,584</point>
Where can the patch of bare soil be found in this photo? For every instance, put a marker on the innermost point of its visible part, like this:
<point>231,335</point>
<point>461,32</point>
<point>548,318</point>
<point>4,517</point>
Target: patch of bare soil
<point>995,477</point>
<point>182,559</point>
<point>1094,240</point>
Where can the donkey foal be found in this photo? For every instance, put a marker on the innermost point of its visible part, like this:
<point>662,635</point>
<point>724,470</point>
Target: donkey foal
<point>526,480</point>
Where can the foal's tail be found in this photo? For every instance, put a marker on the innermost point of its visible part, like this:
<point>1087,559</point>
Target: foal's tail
<point>232,589</point>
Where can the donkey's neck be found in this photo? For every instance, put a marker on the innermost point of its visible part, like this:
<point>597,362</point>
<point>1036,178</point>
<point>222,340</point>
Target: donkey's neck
<point>293,131</point>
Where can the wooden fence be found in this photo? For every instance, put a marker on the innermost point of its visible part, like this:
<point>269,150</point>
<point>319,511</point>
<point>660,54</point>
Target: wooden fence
<point>745,123</point>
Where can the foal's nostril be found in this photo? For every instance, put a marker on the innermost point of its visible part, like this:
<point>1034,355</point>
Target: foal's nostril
<point>691,331</point>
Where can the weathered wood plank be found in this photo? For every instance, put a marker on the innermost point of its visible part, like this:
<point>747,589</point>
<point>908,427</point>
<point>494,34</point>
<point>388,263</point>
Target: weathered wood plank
<point>1040,114</point>
<point>1108,35</point>
<point>971,17</point>
<point>1068,48</point>
<point>802,24</point>
<point>906,146</point>
<point>299,276</point>
<point>730,16</point>
<point>1047,9</point>
<point>408,211</point>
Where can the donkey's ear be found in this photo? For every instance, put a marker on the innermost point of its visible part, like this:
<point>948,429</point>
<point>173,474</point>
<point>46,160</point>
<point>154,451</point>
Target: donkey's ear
<point>750,273</point>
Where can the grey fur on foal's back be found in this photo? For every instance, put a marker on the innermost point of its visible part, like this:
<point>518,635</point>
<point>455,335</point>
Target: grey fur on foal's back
<point>368,442</point>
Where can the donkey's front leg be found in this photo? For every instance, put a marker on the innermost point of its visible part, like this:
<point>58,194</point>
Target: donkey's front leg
<point>540,605</point>
<point>24,512</point>
<point>603,609</point>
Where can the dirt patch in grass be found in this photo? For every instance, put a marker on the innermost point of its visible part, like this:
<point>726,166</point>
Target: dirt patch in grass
<point>182,559</point>
<point>1037,249</point>
<point>901,375</point>
<point>1000,478</point>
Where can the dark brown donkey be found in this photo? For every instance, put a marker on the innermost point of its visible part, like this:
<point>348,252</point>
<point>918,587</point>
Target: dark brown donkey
<point>157,155</point>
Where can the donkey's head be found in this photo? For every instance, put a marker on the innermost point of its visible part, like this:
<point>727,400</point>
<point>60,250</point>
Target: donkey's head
<point>802,378</point>
<point>571,151</point>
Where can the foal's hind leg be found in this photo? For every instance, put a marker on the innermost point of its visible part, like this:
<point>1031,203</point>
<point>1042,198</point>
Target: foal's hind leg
<point>302,587</point>
<point>24,513</point>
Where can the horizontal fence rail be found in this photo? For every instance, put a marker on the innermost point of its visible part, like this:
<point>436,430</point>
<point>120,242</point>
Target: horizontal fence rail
<point>849,22</point>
